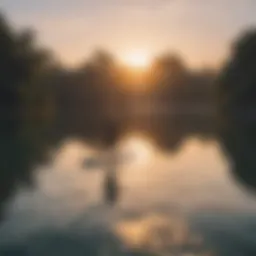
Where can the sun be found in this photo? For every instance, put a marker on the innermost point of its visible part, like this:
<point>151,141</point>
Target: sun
<point>136,59</point>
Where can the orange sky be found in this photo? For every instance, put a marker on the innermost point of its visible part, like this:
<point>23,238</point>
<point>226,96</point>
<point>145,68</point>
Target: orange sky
<point>200,30</point>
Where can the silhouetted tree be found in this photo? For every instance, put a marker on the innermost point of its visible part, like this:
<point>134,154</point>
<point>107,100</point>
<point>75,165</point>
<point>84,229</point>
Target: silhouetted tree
<point>237,105</point>
<point>180,88</point>
<point>22,68</point>
<point>22,63</point>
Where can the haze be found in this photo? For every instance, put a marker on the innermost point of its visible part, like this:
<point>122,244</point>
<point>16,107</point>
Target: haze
<point>199,30</point>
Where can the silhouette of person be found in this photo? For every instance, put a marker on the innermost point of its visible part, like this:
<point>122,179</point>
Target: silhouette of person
<point>111,188</point>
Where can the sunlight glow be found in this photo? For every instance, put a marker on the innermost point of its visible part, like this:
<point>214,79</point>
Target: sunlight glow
<point>136,59</point>
<point>139,146</point>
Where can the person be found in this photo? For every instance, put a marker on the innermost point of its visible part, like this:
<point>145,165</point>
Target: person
<point>111,188</point>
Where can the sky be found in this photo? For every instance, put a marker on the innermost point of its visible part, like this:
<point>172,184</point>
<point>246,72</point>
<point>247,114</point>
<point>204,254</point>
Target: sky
<point>201,31</point>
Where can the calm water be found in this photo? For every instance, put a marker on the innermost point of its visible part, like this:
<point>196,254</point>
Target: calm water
<point>182,203</point>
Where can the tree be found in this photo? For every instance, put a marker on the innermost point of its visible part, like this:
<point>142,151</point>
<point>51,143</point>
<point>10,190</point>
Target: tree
<point>22,63</point>
<point>23,68</point>
<point>237,106</point>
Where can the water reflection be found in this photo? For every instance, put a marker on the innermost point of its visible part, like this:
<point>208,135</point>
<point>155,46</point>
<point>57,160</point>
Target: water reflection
<point>169,203</point>
<point>159,233</point>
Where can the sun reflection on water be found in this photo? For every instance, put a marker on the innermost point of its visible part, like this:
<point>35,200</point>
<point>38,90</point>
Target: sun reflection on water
<point>161,235</point>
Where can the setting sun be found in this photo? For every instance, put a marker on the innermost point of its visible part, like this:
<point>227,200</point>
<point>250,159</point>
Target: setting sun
<point>137,59</point>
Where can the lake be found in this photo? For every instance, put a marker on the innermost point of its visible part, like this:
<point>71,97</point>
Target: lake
<point>171,202</point>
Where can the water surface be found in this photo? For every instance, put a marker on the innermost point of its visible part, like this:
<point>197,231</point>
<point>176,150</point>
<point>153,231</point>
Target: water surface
<point>170,203</point>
